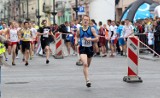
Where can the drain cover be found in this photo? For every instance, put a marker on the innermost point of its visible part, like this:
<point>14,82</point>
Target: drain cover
<point>16,82</point>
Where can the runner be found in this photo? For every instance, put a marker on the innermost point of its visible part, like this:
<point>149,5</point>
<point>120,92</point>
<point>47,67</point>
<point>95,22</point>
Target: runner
<point>95,45</point>
<point>72,37</point>
<point>87,35</point>
<point>45,32</point>
<point>33,40</point>
<point>13,38</point>
<point>4,34</point>
<point>26,36</point>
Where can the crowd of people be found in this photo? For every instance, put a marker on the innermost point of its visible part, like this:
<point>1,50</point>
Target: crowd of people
<point>86,38</point>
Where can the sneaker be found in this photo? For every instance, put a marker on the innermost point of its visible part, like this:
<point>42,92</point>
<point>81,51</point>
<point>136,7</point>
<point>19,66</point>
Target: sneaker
<point>17,57</point>
<point>6,59</point>
<point>26,64</point>
<point>47,61</point>
<point>104,55</point>
<point>121,53</point>
<point>13,64</point>
<point>88,83</point>
<point>111,55</point>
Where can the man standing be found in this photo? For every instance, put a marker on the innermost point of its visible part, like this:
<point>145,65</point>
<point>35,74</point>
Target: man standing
<point>87,36</point>
<point>128,29</point>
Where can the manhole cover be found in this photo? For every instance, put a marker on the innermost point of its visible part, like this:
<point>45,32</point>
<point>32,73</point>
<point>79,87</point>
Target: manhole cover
<point>17,83</point>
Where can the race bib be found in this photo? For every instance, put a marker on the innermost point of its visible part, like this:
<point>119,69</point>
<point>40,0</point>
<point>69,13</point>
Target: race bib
<point>46,31</point>
<point>27,36</point>
<point>86,43</point>
<point>14,37</point>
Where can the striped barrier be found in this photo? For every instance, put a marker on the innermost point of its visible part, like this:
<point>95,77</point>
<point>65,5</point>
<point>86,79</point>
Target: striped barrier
<point>132,58</point>
<point>59,53</point>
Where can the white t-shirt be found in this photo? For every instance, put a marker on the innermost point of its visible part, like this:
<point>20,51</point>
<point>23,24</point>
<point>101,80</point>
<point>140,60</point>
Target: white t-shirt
<point>150,38</point>
<point>13,35</point>
<point>34,32</point>
<point>128,30</point>
<point>114,29</point>
<point>157,11</point>
<point>78,26</point>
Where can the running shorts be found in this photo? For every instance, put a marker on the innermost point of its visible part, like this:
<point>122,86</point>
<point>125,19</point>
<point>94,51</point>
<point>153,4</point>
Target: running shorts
<point>86,50</point>
<point>45,43</point>
<point>25,45</point>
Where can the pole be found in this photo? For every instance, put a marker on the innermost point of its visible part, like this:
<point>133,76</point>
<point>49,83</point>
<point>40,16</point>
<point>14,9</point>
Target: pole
<point>76,10</point>
<point>38,15</point>
<point>23,9</point>
<point>27,9</point>
<point>19,5</point>
<point>54,12</point>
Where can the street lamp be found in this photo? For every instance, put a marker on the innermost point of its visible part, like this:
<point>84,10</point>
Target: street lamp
<point>1,14</point>
<point>38,14</point>
<point>27,12</point>
<point>76,9</point>
<point>54,12</point>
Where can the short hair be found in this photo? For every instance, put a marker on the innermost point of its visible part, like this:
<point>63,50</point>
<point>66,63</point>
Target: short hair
<point>122,22</point>
<point>26,22</point>
<point>86,16</point>
<point>100,23</point>
<point>109,20</point>
<point>94,21</point>
<point>43,21</point>
<point>66,22</point>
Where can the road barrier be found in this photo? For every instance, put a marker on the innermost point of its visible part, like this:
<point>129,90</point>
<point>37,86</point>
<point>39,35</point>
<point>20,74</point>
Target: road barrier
<point>59,53</point>
<point>133,60</point>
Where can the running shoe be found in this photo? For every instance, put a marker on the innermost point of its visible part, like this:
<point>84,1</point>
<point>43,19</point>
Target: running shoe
<point>17,57</point>
<point>6,59</point>
<point>88,83</point>
<point>26,64</point>
<point>13,64</point>
<point>47,61</point>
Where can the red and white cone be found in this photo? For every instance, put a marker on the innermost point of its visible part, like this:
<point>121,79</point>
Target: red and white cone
<point>59,53</point>
<point>133,60</point>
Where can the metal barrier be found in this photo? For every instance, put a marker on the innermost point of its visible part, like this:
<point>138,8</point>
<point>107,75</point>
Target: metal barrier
<point>143,38</point>
<point>157,42</point>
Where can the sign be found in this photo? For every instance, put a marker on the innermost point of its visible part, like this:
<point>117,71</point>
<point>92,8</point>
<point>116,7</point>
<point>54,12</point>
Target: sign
<point>81,10</point>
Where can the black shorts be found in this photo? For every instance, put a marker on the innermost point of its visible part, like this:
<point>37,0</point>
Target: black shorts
<point>25,45</point>
<point>86,50</point>
<point>67,40</point>
<point>45,43</point>
<point>6,45</point>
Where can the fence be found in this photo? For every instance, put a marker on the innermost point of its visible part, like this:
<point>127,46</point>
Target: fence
<point>144,38</point>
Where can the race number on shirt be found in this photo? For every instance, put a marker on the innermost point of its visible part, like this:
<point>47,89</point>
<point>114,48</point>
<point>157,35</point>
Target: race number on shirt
<point>86,43</point>
<point>46,31</point>
<point>27,36</point>
<point>14,37</point>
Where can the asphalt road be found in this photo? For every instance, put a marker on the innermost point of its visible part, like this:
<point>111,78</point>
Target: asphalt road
<point>63,79</point>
